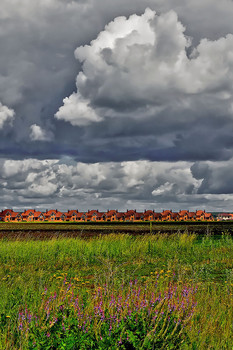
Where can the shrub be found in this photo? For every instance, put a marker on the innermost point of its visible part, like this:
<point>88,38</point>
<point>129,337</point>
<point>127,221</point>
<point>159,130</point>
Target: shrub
<point>129,316</point>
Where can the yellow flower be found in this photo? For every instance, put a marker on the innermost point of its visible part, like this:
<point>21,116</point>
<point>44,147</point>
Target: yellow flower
<point>8,316</point>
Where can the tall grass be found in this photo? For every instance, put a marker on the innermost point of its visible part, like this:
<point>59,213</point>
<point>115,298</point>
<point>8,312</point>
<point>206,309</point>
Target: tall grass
<point>28,267</point>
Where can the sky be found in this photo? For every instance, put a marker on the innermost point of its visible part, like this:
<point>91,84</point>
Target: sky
<point>116,104</point>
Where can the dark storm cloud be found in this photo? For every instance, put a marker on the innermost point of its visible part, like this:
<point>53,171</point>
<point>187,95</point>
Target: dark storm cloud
<point>38,68</point>
<point>149,87</point>
<point>138,81</point>
<point>216,177</point>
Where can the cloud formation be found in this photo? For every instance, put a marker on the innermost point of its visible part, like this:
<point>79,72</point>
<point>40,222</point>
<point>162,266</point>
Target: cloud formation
<point>6,115</point>
<point>143,184</point>
<point>139,67</point>
<point>39,134</point>
<point>153,89</point>
<point>144,81</point>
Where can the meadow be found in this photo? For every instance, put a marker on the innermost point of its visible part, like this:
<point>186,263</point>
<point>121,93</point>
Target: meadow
<point>117,291</point>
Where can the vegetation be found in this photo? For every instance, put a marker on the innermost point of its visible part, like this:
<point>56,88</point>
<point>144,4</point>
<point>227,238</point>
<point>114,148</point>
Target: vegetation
<point>117,292</point>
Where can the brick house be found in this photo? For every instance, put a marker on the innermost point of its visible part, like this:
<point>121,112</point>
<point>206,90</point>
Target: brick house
<point>71,215</point>
<point>6,215</point>
<point>149,215</point>
<point>111,215</point>
<point>130,215</point>
<point>166,215</point>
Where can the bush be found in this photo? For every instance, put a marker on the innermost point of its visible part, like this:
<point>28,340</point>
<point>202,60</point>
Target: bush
<point>129,316</point>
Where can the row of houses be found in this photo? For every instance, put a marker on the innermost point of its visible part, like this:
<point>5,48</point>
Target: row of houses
<point>31,215</point>
<point>224,216</point>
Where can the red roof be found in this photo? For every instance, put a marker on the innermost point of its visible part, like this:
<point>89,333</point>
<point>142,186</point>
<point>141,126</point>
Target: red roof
<point>225,214</point>
<point>28,211</point>
<point>15,214</point>
<point>91,212</point>
<point>111,213</point>
<point>37,214</point>
<point>129,213</point>
<point>166,213</point>
<point>79,215</point>
<point>200,212</point>
<point>148,212</point>
<point>120,215</point>
<point>100,214</point>
<point>183,212</point>
<point>175,215</point>
<point>59,214</point>
<point>71,213</point>
<point>208,215</point>
<point>4,212</point>
<point>50,212</point>
<point>139,216</point>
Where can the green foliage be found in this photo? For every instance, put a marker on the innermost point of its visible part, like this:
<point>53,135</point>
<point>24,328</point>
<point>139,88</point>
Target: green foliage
<point>133,316</point>
<point>27,267</point>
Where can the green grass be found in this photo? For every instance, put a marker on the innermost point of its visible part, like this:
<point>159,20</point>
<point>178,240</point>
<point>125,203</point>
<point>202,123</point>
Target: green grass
<point>27,267</point>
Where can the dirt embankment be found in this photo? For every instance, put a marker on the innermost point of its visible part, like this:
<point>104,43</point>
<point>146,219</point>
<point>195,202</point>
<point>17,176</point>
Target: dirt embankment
<point>22,231</point>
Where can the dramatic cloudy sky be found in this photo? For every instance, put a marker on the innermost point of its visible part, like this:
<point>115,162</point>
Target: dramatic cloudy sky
<point>116,104</point>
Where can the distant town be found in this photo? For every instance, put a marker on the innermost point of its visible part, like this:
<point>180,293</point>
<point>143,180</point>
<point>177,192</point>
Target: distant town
<point>53,215</point>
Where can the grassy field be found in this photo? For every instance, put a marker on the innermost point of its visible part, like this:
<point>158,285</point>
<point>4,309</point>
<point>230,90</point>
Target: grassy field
<point>117,292</point>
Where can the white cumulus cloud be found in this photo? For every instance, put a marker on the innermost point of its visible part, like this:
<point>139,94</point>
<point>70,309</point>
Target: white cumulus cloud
<point>39,134</point>
<point>139,66</point>
<point>6,115</point>
<point>77,111</point>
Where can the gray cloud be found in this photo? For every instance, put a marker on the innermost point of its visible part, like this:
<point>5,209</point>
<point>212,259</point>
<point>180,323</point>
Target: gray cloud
<point>88,184</point>
<point>216,177</point>
<point>133,184</point>
<point>6,115</point>
<point>163,97</point>
<point>138,72</point>
<point>39,134</point>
